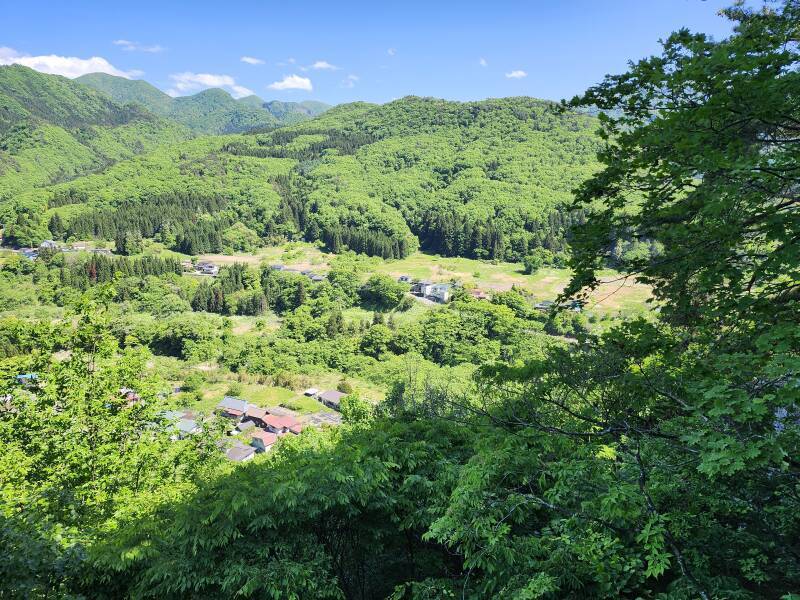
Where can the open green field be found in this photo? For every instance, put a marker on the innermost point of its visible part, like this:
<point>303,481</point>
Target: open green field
<point>613,297</point>
<point>261,395</point>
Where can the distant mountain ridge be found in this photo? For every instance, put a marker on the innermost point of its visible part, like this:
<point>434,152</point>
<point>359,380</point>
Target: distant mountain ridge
<point>212,111</point>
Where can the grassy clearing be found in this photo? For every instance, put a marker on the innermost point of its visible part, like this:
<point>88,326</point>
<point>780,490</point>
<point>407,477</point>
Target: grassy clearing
<point>612,298</point>
<point>264,396</point>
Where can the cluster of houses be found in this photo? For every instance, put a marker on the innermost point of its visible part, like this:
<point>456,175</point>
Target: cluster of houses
<point>262,426</point>
<point>314,277</point>
<point>203,267</point>
<point>50,245</point>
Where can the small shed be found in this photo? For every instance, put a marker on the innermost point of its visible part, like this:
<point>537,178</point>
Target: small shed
<point>332,398</point>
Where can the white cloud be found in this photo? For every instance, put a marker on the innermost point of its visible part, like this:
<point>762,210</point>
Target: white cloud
<point>188,82</point>
<point>137,47</point>
<point>239,91</point>
<point>350,81</point>
<point>482,62</point>
<point>391,52</point>
<point>68,66</point>
<point>324,65</point>
<point>518,74</point>
<point>251,60</point>
<point>292,82</point>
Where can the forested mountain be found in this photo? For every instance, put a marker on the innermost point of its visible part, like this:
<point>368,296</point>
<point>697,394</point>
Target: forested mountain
<point>53,129</point>
<point>210,111</point>
<point>489,179</point>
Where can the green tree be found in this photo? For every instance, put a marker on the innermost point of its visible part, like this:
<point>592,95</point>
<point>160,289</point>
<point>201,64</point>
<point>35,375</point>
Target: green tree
<point>383,291</point>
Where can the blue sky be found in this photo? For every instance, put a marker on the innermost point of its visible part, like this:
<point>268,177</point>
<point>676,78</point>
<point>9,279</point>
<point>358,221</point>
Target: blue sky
<point>344,51</point>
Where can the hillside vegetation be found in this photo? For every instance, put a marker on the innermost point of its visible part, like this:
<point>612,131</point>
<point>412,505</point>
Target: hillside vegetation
<point>489,179</point>
<point>482,448</point>
<point>52,129</point>
<point>210,111</point>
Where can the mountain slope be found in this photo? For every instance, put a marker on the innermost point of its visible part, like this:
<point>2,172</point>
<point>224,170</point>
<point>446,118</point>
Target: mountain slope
<point>211,111</point>
<point>215,111</point>
<point>489,179</point>
<point>479,179</point>
<point>27,95</point>
<point>126,91</point>
<point>53,129</point>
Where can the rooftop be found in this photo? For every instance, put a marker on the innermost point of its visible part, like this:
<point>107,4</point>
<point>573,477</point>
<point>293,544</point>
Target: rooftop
<point>234,403</point>
<point>332,396</point>
<point>267,437</point>
<point>280,421</point>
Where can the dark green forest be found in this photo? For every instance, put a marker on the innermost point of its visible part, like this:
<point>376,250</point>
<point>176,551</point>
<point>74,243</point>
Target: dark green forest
<point>516,453</point>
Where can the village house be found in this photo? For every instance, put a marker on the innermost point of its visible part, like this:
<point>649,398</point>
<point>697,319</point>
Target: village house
<point>439,292</point>
<point>280,423</point>
<point>207,268</point>
<point>240,453</point>
<point>262,440</point>
<point>173,415</point>
<point>421,288</point>
<point>311,392</point>
<point>256,414</point>
<point>48,245</point>
<point>232,407</point>
<point>332,398</point>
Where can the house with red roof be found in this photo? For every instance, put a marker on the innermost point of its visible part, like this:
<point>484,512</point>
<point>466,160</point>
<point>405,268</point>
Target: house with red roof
<point>280,423</point>
<point>262,440</point>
